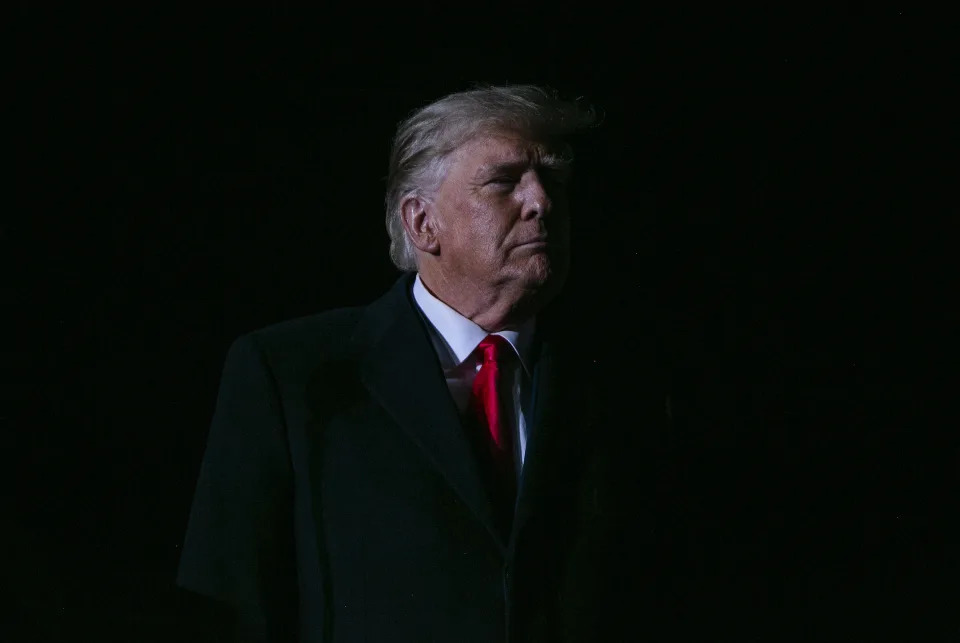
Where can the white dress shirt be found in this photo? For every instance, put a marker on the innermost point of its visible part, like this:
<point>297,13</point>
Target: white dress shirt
<point>455,338</point>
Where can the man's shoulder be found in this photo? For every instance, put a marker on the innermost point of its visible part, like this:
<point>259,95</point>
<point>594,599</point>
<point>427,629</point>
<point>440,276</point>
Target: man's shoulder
<point>325,333</point>
<point>296,350</point>
<point>328,324</point>
<point>340,334</point>
<point>293,351</point>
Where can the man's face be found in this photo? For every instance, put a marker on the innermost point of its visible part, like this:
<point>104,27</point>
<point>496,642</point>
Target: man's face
<point>503,216</point>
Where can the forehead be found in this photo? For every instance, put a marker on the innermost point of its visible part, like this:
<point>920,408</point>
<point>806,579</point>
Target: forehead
<point>500,147</point>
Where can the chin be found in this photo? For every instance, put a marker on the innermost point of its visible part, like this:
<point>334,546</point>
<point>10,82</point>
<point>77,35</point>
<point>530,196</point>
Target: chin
<point>544,274</point>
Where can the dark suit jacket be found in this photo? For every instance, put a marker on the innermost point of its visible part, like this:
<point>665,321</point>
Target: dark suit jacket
<point>338,499</point>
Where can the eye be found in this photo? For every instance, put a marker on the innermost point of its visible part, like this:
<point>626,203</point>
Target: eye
<point>503,184</point>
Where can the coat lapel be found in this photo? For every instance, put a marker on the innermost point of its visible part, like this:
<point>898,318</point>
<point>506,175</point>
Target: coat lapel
<point>399,368</point>
<point>560,426</point>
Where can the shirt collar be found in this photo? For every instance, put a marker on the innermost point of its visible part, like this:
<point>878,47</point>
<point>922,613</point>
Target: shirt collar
<point>461,335</point>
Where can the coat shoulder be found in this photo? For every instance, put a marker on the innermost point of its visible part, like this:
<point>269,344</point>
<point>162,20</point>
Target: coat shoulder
<point>328,330</point>
<point>294,350</point>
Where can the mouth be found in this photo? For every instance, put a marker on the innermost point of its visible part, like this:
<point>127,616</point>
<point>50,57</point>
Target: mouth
<point>539,242</point>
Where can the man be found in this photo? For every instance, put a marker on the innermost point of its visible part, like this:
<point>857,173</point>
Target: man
<point>433,467</point>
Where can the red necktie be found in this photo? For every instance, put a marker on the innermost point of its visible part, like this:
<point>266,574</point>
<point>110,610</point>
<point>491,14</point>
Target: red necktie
<point>488,401</point>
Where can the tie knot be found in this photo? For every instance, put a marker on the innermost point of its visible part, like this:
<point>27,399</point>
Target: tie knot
<point>495,349</point>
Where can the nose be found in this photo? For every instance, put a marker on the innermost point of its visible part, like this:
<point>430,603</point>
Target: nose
<point>536,201</point>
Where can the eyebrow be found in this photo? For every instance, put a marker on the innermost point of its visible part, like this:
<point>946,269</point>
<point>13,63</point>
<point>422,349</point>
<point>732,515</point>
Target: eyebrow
<point>555,162</point>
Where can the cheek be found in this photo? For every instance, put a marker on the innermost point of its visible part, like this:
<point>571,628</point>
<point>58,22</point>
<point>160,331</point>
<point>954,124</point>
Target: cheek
<point>488,227</point>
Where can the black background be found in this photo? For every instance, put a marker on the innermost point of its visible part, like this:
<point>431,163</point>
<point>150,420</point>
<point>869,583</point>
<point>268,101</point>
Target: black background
<point>183,176</point>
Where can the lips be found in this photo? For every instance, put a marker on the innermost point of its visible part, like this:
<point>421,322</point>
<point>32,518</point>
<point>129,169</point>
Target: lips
<point>536,241</point>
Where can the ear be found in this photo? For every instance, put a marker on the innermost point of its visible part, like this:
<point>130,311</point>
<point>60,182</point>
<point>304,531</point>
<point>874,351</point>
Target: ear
<point>419,220</point>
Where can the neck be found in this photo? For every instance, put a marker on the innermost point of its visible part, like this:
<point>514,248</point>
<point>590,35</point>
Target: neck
<point>491,308</point>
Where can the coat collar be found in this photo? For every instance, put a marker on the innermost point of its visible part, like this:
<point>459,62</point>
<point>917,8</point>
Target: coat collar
<point>457,337</point>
